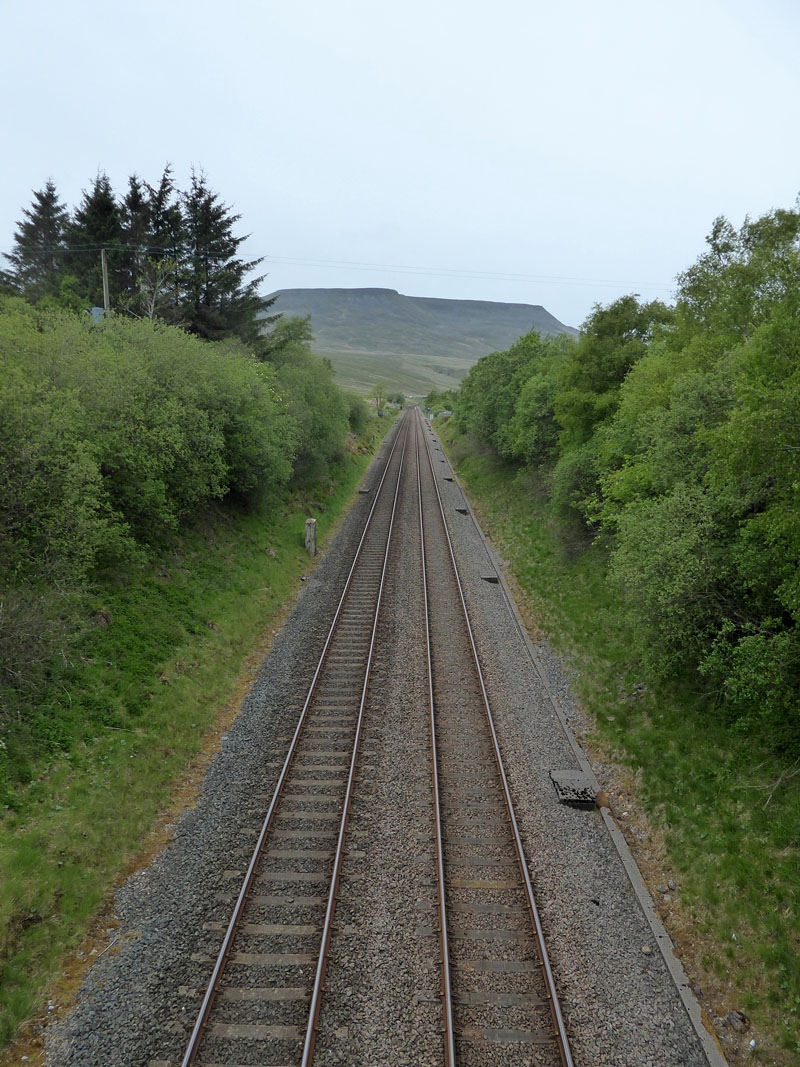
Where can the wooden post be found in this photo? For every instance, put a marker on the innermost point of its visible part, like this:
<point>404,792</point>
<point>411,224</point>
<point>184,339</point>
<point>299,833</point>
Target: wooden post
<point>104,265</point>
<point>311,537</point>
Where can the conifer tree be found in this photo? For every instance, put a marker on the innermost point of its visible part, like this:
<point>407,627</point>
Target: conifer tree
<point>166,220</point>
<point>135,235</point>
<point>37,257</point>
<point>96,225</point>
<point>217,300</point>
<point>159,284</point>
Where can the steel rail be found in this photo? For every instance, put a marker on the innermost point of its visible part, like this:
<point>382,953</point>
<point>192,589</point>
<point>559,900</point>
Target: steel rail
<point>555,1007</point>
<point>219,966</point>
<point>447,992</point>
<point>322,962</point>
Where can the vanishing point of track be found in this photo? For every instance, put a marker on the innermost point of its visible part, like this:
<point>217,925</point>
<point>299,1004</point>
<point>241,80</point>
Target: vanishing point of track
<point>266,991</point>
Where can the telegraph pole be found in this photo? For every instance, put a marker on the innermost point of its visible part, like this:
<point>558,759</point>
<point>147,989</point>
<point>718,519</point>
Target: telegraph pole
<point>104,264</point>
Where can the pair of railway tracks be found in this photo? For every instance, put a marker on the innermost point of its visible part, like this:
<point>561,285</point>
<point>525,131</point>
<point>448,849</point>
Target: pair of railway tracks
<point>499,1004</point>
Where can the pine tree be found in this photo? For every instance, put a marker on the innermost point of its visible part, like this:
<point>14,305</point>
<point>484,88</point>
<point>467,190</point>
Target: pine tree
<point>96,224</point>
<point>217,301</point>
<point>166,220</point>
<point>160,281</point>
<point>37,257</point>
<point>152,237</point>
<point>135,234</point>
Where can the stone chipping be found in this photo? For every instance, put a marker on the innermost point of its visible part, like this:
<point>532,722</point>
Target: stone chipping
<point>622,1008</point>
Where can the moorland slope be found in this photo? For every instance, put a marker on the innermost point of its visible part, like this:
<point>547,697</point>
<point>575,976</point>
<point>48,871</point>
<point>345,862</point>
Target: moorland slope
<point>412,343</point>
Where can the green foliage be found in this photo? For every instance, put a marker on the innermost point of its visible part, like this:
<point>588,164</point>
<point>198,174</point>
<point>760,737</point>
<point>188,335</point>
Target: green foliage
<point>532,431</point>
<point>53,521</point>
<point>488,394</point>
<point>319,409</point>
<point>378,396</point>
<point>488,402</point>
<point>295,330</point>
<point>441,400</point>
<point>667,559</point>
<point>612,340</point>
<point>37,256</point>
<point>96,224</point>
<point>574,481</point>
<point>671,433</point>
<point>358,413</point>
<point>171,256</point>
<point>170,422</point>
<point>217,300</point>
<point>111,435</point>
<point>725,799</point>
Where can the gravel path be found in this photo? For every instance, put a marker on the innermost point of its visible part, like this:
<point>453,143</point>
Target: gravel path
<point>621,1004</point>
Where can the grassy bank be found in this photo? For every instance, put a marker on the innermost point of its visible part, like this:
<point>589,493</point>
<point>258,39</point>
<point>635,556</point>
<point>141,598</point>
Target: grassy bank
<point>158,679</point>
<point>720,813</point>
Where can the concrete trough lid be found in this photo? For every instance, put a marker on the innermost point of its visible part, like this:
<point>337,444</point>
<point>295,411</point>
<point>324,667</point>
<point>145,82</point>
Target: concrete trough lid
<point>574,787</point>
<point>365,490</point>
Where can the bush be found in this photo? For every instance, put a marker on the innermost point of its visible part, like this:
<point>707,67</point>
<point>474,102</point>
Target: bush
<point>110,435</point>
<point>574,481</point>
<point>756,669</point>
<point>358,413</point>
<point>318,407</point>
<point>55,515</point>
<point>169,421</point>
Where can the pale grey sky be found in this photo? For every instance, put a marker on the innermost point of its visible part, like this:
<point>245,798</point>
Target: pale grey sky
<point>550,153</point>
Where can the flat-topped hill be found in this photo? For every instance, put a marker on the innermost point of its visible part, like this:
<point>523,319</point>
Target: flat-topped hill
<point>413,343</point>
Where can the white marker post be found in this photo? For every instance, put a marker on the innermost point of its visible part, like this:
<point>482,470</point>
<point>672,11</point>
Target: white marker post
<point>311,537</point>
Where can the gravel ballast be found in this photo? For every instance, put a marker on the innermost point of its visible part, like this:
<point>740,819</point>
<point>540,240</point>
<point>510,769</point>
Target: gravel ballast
<point>621,1002</point>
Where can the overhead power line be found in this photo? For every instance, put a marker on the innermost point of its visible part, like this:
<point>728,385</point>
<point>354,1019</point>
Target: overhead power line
<point>363,266</point>
<point>162,250</point>
<point>452,272</point>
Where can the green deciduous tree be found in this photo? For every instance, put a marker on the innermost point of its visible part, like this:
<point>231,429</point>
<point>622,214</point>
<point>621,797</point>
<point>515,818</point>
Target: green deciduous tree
<point>319,408</point>
<point>674,433</point>
<point>378,396</point>
<point>285,333</point>
<point>612,339</point>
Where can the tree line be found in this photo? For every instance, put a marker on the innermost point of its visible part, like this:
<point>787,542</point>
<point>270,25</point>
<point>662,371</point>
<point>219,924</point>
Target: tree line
<point>171,255</point>
<point>116,431</point>
<point>112,435</point>
<point>670,435</point>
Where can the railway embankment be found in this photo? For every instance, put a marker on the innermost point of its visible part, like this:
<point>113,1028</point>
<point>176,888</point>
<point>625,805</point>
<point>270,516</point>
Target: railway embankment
<point>177,645</point>
<point>383,991</point>
<point>710,815</point>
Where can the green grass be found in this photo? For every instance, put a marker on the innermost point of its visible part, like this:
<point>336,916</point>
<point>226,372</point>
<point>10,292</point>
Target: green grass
<point>733,839</point>
<point>168,645</point>
<point>407,372</point>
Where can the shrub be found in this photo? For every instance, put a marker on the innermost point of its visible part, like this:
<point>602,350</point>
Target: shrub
<point>358,413</point>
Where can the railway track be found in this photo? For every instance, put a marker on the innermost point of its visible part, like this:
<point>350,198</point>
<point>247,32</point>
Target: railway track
<point>500,1003</point>
<point>266,995</point>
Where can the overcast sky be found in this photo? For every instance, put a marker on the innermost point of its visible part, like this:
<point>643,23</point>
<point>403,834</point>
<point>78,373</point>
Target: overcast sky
<point>549,153</point>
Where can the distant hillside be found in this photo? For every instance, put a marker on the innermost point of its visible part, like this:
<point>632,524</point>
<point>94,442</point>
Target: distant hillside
<point>413,343</point>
